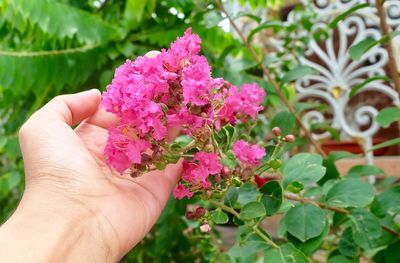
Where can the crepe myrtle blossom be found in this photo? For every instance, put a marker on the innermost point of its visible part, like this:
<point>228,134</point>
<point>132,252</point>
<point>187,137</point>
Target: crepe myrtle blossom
<point>248,154</point>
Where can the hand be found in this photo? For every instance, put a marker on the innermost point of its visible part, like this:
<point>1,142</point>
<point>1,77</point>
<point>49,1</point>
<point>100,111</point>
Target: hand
<point>73,200</point>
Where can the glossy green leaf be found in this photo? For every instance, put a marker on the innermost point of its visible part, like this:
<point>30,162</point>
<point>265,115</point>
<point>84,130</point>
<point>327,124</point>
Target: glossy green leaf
<point>287,253</point>
<point>305,221</point>
<point>252,210</point>
<point>347,13</point>
<point>247,193</point>
<point>347,247</point>
<point>285,121</point>
<point>219,217</point>
<point>389,255</point>
<point>364,170</point>
<point>356,88</point>
<point>298,73</point>
<point>231,196</point>
<point>310,246</point>
<point>359,49</point>
<point>351,192</point>
<point>387,202</point>
<point>272,197</point>
<point>387,116</point>
<point>366,228</point>
<point>305,168</point>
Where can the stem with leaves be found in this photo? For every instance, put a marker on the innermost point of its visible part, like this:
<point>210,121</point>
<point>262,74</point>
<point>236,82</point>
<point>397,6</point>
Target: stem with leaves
<point>389,46</point>
<point>275,85</point>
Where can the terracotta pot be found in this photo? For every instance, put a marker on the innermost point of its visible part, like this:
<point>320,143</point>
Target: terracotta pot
<point>351,146</point>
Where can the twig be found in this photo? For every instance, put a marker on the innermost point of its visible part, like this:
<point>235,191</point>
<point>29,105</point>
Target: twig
<point>271,80</point>
<point>389,46</point>
<point>335,209</point>
<point>255,228</point>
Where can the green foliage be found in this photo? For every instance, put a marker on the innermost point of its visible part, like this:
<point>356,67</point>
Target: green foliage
<point>351,192</point>
<point>272,197</point>
<point>285,254</point>
<point>387,116</point>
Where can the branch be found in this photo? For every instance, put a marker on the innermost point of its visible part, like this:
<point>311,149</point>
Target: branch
<point>271,80</point>
<point>335,209</point>
<point>389,45</point>
<point>255,228</point>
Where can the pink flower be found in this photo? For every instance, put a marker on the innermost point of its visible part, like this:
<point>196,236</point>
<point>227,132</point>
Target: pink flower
<point>247,153</point>
<point>205,228</point>
<point>135,150</point>
<point>181,191</point>
<point>203,165</point>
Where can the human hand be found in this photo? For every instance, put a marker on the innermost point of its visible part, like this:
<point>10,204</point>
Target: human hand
<point>72,199</point>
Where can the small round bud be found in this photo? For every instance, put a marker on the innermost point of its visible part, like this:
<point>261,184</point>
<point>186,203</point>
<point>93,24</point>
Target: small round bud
<point>204,115</point>
<point>247,172</point>
<point>290,138</point>
<point>276,131</point>
<point>226,172</point>
<point>190,215</point>
<point>200,212</point>
<point>205,228</point>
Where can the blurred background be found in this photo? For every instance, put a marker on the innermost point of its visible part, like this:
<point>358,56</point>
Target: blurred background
<point>52,47</point>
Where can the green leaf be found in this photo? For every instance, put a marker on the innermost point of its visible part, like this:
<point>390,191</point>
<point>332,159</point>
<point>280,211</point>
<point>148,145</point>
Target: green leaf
<point>272,197</point>
<point>305,221</point>
<point>249,15</point>
<point>351,192</point>
<point>275,24</point>
<point>298,73</point>
<point>311,245</point>
<point>219,217</point>
<point>365,82</point>
<point>65,21</point>
<point>246,243</point>
<point>252,210</point>
<point>345,14</point>
<point>326,127</point>
<point>339,259</point>
<point>338,155</point>
<point>295,187</point>
<point>305,168</point>
<point>387,202</point>
<point>231,196</point>
<point>359,49</point>
<point>364,170</point>
<point>284,120</point>
<point>389,255</point>
<point>247,193</point>
<point>365,227</point>
<point>287,253</point>
<point>387,116</point>
<point>347,247</point>
<point>388,143</point>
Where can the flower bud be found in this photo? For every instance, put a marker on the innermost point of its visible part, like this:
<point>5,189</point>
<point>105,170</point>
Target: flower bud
<point>205,228</point>
<point>226,172</point>
<point>290,138</point>
<point>276,131</point>
<point>200,212</point>
<point>190,215</point>
<point>209,148</point>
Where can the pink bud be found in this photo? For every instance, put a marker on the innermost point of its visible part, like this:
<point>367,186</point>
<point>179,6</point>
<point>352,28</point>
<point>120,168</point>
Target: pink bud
<point>276,131</point>
<point>290,138</point>
<point>205,228</point>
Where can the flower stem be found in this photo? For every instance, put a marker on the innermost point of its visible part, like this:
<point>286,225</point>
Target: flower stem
<point>255,228</point>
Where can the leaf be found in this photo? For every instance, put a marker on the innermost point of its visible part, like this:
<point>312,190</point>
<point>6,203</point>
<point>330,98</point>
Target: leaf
<point>311,245</point>
<point>219,217</point>
<point>326,127</point>
<point>247,193</point>
<point>347,247</point>
<point>387,202</point>
<point>345,14</point>
<point>275,24</point>
<point>249,15</point>
<point>338,155</point>
<point>65,21</point>
<point>365,227</point>
<point>388,143</point>
<point>389,255</point>
<point>356,88</point>
<point>231,196</point>
<point>298,73</point>
<point>359,49</point>
<point>246,243</point>
<point>305,168</point>
<point>305,221</point>
<point>284,120</point>
<point>364,170</point>
<point>387,116</point>
<point>252,210</point>
<point>295,187</point>
<point>339,259</point>
<point>272,197</point>
<point>351,192</point>
<point>287,253</point>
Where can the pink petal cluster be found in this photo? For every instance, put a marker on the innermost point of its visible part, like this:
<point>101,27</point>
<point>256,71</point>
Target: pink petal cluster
<point>150,95</point>
<point>248,154</point>
<point>197,172</point>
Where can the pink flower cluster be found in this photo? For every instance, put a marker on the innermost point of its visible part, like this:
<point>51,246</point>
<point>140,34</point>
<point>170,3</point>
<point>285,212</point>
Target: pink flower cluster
<point>150,95</point>
<point>197,172</point>
<point>248,154</point>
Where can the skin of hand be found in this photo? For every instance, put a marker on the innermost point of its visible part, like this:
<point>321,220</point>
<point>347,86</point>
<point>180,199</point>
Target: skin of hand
<point>74,207</point>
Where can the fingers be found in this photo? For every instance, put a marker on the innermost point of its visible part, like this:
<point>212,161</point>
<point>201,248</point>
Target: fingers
<point>70,109</point>
<point>103,119</point>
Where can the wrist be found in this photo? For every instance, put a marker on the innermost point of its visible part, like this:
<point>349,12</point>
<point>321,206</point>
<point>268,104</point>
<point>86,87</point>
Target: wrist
<point>54,228</point>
